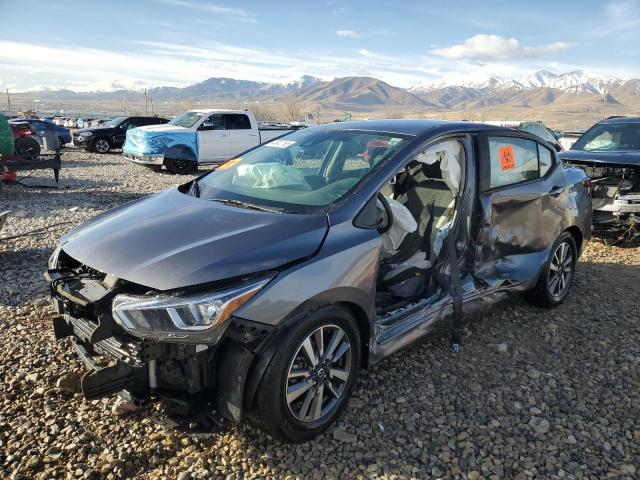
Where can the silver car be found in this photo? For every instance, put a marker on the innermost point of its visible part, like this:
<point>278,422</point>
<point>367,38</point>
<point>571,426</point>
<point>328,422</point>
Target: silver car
<point>266,285</point>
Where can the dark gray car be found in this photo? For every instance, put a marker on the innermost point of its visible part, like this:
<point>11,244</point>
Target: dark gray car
<point>266,285</point>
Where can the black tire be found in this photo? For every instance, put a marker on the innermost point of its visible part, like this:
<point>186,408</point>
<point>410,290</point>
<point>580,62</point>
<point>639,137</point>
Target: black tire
<point>101,145</point>
<point>27,146</point>
<point>551,289</point>
<point>273,413</point>
<point>179,167</point>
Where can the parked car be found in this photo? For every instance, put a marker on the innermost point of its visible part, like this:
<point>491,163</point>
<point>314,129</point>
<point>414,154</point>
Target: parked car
<point>111,135</point>
<point>265,285</point>
<point>197,137</point>
<point>610,154</point>
<point>23,136</point>
<point>39,127</point>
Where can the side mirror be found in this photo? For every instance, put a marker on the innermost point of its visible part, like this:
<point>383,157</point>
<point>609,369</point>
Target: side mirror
<point>376,214</point>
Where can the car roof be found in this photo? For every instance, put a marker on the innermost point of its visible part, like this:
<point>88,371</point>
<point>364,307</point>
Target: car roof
<point>411,127</point>
<point>621,120</point>
<point>215,110</point>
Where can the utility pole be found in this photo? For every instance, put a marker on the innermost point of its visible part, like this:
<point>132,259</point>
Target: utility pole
<point>318,114</point>
<point>145,101</point>
<point>151,101</point>
<point>8,101</point>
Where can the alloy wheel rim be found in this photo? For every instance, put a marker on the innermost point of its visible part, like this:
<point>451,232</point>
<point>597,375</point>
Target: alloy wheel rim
<point>560,270</point>
<point>318,373</point>
<point>102,146</point>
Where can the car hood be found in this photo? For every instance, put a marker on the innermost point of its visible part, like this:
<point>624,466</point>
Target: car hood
<point>171,240</point>
<point>620,158</point>
<point>164,128</point>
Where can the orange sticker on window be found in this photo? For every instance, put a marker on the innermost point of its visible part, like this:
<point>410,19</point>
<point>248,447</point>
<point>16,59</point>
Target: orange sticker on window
<point>507,159</point>
<point>229,164</point>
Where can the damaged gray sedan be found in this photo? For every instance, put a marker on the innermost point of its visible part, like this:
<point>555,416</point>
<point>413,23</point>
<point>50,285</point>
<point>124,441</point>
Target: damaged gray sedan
<point>262,288</point>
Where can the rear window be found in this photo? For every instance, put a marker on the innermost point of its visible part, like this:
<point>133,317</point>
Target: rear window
<point>237,121</point>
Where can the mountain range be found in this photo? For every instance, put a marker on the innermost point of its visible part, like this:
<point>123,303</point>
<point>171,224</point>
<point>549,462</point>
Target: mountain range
<point>362,94</point>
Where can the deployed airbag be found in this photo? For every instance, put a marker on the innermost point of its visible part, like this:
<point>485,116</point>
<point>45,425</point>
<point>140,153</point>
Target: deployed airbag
<point>269,175</point>
<point>403,224</point>
<point>447,153</point>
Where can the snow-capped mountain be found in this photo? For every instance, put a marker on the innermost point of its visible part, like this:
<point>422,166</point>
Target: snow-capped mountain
<point>577,82</point>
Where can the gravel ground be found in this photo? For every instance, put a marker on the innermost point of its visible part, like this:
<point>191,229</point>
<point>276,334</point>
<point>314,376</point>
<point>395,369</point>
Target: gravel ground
<point>533,393</point>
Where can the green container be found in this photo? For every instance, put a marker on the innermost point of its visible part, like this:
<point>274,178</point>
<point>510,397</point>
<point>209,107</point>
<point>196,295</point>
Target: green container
<point>6,137</point>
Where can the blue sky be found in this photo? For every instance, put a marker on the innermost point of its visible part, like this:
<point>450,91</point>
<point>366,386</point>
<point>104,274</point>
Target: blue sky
<point>96,45</point>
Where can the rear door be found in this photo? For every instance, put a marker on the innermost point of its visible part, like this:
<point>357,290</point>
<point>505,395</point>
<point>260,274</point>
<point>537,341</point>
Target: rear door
<point>241,136</point>
<point>213,139</point>
<point>523,198</point>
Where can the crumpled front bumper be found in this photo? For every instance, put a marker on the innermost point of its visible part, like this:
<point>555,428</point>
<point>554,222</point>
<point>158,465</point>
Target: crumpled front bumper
<point>116,361</point>
<point>130,371</point>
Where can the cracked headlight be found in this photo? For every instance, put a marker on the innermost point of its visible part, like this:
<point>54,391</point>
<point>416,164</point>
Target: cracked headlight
<point>201,318</point>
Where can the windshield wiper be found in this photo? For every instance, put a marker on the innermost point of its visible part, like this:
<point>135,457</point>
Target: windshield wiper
<point>251,206</point>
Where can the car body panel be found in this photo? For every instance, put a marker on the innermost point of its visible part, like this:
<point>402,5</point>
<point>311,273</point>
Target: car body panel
<point>344,270</point>
<point>603,158</point>
<point>167,140</point>
<point>171,240</point>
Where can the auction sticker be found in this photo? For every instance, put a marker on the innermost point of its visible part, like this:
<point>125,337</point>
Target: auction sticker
<point>280,143</point>
<point>229,164</point>
<point>507,159</point>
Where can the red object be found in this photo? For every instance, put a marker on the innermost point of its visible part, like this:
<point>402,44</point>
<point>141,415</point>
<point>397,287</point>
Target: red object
<point>372,144</point>
<point>9,176</point>
<point>587,182</point>
<point>21,130</point>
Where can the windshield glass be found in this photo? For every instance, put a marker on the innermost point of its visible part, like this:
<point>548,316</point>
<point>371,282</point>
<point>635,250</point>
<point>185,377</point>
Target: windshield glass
<point>308,168</point>
<point>187,119</point>
<point>115,122</point>
<point>612,136</point>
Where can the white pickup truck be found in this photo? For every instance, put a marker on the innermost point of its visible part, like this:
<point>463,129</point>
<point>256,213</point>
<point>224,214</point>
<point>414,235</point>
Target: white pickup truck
<point>197,137</point>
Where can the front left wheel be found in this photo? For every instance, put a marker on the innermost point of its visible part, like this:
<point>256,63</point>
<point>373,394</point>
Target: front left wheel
<point>310,377</point>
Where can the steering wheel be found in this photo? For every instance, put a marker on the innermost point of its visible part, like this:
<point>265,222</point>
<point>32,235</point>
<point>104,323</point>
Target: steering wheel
<point>387,211</point>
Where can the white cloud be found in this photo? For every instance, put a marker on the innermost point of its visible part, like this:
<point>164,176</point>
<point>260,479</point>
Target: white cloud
<point>483,48</point>
<point>29,66</point>
<point>234,13</point>
<point>347,33</point>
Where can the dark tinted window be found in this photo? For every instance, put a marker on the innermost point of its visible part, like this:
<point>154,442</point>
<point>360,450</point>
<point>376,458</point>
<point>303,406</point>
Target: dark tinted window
<point>215,122</point>
<point>238,121</point>
<point>141,122</point>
